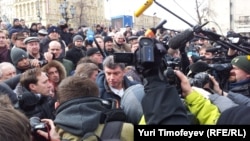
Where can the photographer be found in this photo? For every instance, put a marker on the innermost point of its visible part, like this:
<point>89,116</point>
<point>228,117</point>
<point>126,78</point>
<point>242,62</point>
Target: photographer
<point>52,135</point>
<point>15,126</point>
<point>239,77</point>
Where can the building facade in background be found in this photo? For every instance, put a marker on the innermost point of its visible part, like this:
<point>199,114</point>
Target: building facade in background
<point>230,15</point>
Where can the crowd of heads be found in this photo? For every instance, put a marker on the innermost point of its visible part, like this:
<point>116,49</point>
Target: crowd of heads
<point>53,70</point>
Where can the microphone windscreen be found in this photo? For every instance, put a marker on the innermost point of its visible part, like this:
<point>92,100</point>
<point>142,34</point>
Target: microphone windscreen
<point>213,49</point>
<point>180,39</point>
<point>199,66</point>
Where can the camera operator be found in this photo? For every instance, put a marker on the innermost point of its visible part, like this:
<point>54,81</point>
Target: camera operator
<point>162,104</point>
<point>159,91</point>
<point>239,77</point>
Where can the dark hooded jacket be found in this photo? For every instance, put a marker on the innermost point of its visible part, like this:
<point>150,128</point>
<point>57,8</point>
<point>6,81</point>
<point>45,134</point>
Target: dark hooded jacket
<point>82,115</point>
<point>34,105</point>
<point>105,91</point>
<point>238,115</point>
<point>242,87</point>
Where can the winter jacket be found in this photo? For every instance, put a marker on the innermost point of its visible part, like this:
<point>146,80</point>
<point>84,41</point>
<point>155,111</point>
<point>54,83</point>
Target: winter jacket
<point>105,91</point>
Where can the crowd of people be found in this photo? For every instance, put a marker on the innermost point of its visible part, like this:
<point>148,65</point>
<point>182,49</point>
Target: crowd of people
<point>75,85</point>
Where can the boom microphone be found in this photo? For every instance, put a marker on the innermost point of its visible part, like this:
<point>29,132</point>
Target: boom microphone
<point>143,8</point>
<point>180,40</point>
<point>213,49</point>
<point>160,25</point>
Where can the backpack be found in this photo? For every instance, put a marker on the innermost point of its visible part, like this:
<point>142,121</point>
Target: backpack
<point>106,135</point>
<point>112,127</point>
<point>110,131</point>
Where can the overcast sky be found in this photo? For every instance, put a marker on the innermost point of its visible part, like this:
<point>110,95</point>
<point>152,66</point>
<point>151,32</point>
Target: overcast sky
<point>183,8</point>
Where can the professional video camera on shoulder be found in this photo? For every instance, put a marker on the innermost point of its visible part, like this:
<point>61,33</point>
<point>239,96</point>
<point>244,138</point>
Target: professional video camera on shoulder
<point>143,56</point>
<point>149,53</point>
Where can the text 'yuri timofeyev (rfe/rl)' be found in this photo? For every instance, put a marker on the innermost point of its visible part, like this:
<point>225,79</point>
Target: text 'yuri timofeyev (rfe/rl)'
<point>192,132</point>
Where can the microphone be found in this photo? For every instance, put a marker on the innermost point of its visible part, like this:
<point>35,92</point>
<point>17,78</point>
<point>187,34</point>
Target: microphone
<point>213,49</point>
<point>143,8</point>
<point>198,67</point>
<point>180,40</point>
<point>160,25</point>
<point>151,32</point>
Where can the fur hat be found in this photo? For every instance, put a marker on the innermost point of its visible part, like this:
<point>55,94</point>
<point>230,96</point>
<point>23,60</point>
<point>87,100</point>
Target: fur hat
<point>92,51</point>
<point>17,54</point>
<point>242,62</point>
<point>15,19</point>
<point>108,38</point>
<point>53,29</point>
<point>77,37</point>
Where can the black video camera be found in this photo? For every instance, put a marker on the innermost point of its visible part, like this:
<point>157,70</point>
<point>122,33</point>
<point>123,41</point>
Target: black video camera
<point>148,55</point>
<point>200,79</point>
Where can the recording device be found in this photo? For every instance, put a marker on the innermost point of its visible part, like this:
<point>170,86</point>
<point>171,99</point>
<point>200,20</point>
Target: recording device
<point>199,80</point>
<point>197,67</point>
<point>146,5</point>
<point>143,55</point>
<point>180,40</point>
<point>36,124</point>
<point>214,49</point>
<point>151,32</point>
<point>110,103</point>
<point>201,66</point>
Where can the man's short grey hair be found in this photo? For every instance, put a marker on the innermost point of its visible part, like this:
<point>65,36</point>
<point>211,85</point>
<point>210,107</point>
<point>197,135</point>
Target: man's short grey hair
<point>5,64</point>
<point>110,63</point>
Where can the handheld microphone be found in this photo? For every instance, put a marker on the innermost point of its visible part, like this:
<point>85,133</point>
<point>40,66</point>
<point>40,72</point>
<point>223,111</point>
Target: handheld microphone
<point>151,32</point>
<point>143,8</point>
<point>180,40</point>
